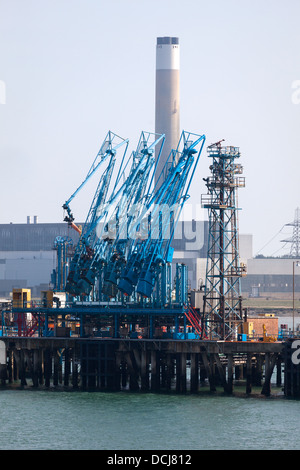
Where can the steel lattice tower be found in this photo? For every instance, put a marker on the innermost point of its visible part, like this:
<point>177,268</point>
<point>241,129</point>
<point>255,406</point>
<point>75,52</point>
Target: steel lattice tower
<point>222,301</point>
<point>295,240</point>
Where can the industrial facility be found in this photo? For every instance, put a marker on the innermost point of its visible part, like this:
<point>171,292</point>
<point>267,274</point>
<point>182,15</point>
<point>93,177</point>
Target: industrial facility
<point>133,292</point>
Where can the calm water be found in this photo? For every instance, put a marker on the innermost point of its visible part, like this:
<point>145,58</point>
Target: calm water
<point>124,421</point>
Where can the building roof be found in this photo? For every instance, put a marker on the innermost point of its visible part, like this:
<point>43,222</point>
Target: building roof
<point>33,237</point>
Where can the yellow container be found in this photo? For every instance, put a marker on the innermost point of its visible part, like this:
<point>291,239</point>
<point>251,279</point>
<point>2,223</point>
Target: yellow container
<point>21,298</point>
<point>248,328</point>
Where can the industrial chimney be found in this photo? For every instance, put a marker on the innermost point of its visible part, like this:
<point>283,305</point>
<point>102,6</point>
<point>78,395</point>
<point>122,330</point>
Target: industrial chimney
<point>167,105</point>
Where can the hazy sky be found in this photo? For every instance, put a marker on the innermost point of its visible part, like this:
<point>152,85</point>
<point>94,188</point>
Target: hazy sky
<point>71,70</point>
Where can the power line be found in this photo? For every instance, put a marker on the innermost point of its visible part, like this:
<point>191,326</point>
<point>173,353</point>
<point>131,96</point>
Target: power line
<point>281,248</point>
<point>270,241</point>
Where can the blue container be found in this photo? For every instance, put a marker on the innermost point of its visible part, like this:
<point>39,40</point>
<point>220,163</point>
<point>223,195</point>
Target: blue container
<point>242,337</point>
<point>192,336</point>
<point>178,336</point>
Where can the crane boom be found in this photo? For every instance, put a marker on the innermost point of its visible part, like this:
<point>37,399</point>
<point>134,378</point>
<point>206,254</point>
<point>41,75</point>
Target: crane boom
<point>98,246</point>
<point>160,216</point>
<point>107,148</point>
<point>107,154</point>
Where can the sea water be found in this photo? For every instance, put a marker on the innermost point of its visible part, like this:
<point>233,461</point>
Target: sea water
<point>42,420</point>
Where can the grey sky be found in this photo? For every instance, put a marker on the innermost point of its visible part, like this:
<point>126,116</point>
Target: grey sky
<point>74,69</point>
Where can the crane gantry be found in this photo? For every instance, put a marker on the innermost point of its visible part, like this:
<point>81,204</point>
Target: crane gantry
<point>124,247</point>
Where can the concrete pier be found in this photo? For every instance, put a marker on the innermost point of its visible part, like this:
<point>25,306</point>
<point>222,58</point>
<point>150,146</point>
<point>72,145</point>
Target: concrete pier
<point>146,365</point>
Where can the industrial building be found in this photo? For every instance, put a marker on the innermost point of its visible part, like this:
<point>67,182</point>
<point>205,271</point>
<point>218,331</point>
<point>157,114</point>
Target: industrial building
<point>271,275</point>
<point>28,256</point>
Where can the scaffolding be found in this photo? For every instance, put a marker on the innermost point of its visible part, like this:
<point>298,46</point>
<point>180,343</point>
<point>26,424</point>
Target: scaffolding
<point>222,310</point>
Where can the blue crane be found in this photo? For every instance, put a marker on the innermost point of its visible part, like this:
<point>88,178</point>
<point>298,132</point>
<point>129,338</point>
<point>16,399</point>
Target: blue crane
<point>107,149</point>
<point>161,212</point>
<point>101,247</point>
<point>109,251</point>
<point>136,192</point>
<point>107,154</point>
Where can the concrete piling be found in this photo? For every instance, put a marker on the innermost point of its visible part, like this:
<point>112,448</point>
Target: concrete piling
<point>145,365</point>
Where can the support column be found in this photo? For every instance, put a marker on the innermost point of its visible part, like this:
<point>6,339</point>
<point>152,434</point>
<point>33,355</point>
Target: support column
<point>221,373</point>
<point>278,371</point>
<point>155,379</point>
<point>178,372</point>
<point>163,371</point>
<point>48,367</point>
<point>209,372</point>
<point>22,368</point>
<point>169,372</point>
<point>257,372</point>
<point>3,374</point>
<point>144,371</point>
<point>67,367</point>
<point>41,368</point>
<point>16,370</point>
<point>124,373</point>
<point>203,373</point>
<point>56,365</point>
<point>118,371</point>
<point>183,373</point>
<point>36,366</point>
<point>74,370</point>
<point>194,372</point>
<point>11,365</point>
<point>249,374</point>
<point>269,366</point>
<point>133,376</point>
<point>29,362</point>
<point>239,372</point>
<point>230,373</point>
